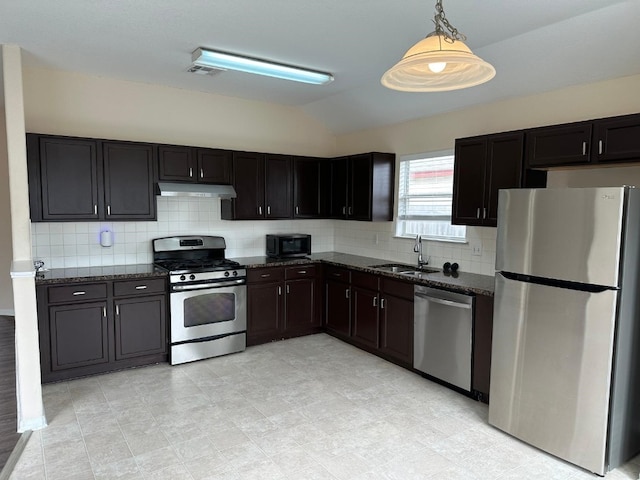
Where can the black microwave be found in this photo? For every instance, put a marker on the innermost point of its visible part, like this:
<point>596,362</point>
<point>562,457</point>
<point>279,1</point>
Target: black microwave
<point>288,245</point>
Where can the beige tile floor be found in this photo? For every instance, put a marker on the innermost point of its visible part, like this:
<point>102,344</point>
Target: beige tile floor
<point>306,408</point>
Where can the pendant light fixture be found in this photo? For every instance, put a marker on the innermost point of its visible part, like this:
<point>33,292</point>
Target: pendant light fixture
<point>438,63</point>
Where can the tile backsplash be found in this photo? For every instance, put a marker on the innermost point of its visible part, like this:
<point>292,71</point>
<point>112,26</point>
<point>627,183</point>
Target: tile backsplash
<point>77,244</point>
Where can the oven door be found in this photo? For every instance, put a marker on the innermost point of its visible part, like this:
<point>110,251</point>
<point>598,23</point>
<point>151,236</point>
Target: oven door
<point>209,312</point>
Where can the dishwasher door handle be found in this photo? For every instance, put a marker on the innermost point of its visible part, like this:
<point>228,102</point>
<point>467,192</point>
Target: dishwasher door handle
<point>449,303</point>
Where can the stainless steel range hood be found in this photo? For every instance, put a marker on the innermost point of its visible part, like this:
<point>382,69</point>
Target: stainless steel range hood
<point>170,189</point>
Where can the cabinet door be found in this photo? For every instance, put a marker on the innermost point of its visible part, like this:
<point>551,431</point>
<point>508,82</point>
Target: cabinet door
<point>360,184</point>
<point>248,181</point>
<point>129,193</point>
<point>70,179</point>
<point>396,328</point>
<point>339,178</point>
<point>558,145</point>
<point>140,326</point>
<point>468,206</point>
<point>617,139</point>
<point>264,311</point>
<point>278,182</point>
<point>337,308</point>
<point>300,306</point>
<point>214,166</point>
<point>365,316</point>
<point>504,169</point>
<point>176,164</point>
<point>78,335</point>
<point>306,187</point>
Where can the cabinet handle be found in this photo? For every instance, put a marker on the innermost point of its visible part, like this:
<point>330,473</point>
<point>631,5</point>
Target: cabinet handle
<point>202,173</point>
<point>104,312</point>
<point>141,287</point>
<point>584,148</point>
<point>190,172</point>
<point>350,211</point>
<point>382,303</point>
<point>268,209</point>
<point>79,293</point>
<point>336,274</point>
<point>95,209</point>
<point>346,293</point>
<point>478,213</point>
<point>265,275</point>
<point>600,147</point>
<point>108,209</point>
<point>260,210</point>
<point>297,210</point>
<point>375,301</point>
<point>117,310</point>
<point>302,272</point>
<point>344,210</point>
<point>279,290</point>
<point>484,212</point>
<point>287,289</point>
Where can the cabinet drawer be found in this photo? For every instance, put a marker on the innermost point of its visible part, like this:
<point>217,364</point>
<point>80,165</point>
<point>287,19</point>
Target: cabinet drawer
<point>77,293</point>
<point>302,271</point>
<point>398,289</point>
<point>337,273</point>
<point>257,275</point>
<point>365,280</point>
<point>142,286</point>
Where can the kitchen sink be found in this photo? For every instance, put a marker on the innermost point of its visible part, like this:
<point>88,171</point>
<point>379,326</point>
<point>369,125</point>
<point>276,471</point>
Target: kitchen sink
<point>402,269</point>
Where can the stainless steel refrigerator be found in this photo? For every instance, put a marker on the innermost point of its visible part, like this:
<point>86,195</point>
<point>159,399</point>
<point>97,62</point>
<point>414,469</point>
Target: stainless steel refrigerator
<point>565,366</point>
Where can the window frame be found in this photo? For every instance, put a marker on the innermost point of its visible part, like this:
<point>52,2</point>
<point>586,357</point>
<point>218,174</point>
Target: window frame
<point>400,230</point>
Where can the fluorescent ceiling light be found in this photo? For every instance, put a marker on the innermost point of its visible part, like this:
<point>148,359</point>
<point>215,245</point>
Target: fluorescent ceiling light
<point>230,61</point>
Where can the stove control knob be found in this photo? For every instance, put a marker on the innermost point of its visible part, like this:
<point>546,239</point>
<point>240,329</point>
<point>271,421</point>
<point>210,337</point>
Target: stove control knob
<point>183,278</point>
<point>226,274</point>
<point>192,277</point>
<point>235,274</point>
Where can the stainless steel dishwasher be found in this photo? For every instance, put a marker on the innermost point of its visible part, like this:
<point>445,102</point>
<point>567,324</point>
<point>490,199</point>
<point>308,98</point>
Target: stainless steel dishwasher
<point>442,334</point>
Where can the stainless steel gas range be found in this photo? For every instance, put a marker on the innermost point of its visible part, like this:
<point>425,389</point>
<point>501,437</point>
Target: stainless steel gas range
<point>208,297</point>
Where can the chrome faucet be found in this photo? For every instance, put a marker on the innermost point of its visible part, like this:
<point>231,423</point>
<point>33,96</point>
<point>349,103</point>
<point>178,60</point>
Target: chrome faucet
<point>417,248</point>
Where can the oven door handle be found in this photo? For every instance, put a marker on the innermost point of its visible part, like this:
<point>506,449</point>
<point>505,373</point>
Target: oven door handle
<point>184,288</point>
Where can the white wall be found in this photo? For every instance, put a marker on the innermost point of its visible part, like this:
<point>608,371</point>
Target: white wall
<point>6,251</point>
<point>610,98</point>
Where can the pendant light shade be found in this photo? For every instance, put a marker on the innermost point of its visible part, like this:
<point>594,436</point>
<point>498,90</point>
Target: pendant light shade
<point>438,63</point>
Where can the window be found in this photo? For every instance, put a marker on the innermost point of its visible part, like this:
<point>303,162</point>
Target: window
<point>424,198</point>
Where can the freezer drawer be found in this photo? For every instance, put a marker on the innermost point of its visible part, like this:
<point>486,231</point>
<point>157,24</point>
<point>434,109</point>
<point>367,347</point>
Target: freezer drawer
<point>551,364</point>
<point>443,324</point>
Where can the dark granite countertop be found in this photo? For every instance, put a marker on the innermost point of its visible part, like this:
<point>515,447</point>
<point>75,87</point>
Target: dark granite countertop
<point>95,274</point>
<point>462,281</point>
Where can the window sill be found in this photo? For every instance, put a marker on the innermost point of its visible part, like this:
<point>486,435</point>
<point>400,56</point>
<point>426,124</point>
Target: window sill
<point>431,239</point>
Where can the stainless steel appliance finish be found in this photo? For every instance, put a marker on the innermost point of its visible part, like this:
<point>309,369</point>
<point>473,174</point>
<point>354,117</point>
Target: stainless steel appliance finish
<point>443,326</point>
<point>207,295</point>
<point>566,326</point>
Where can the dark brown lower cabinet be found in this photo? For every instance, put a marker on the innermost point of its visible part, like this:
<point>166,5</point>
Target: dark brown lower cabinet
<point>140,326</point>
<point>482,336</point>
<point>365,309</point>
<point>79,335</point>
<point>88,328</point>
<point>282,302</point>
<point>396,321</point>
<point>337,309</point>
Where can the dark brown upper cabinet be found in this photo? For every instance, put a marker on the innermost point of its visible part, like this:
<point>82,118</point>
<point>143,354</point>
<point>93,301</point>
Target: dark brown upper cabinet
<point>483,166</point>
<point>362,187</point>
<point>605,140</point>
<point>617,139</point>
<point>128,181</point>
<point>559,145</point>
<point>75,179</point>
<point>263,186</point>
<point>311,187</point>
<point>194,165</point>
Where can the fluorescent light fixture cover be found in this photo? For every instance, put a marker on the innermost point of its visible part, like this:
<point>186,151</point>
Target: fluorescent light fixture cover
<point>230,61</point>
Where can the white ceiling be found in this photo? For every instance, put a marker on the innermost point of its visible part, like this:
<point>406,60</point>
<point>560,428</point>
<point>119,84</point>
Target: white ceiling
<point>535,46</point>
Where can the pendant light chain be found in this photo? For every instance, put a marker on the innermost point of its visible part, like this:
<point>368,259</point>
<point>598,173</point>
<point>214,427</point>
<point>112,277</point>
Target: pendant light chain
<point>451,34</point>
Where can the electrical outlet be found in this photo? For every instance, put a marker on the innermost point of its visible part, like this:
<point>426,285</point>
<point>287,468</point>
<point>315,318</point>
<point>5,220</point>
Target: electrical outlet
<point>476,248</point>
